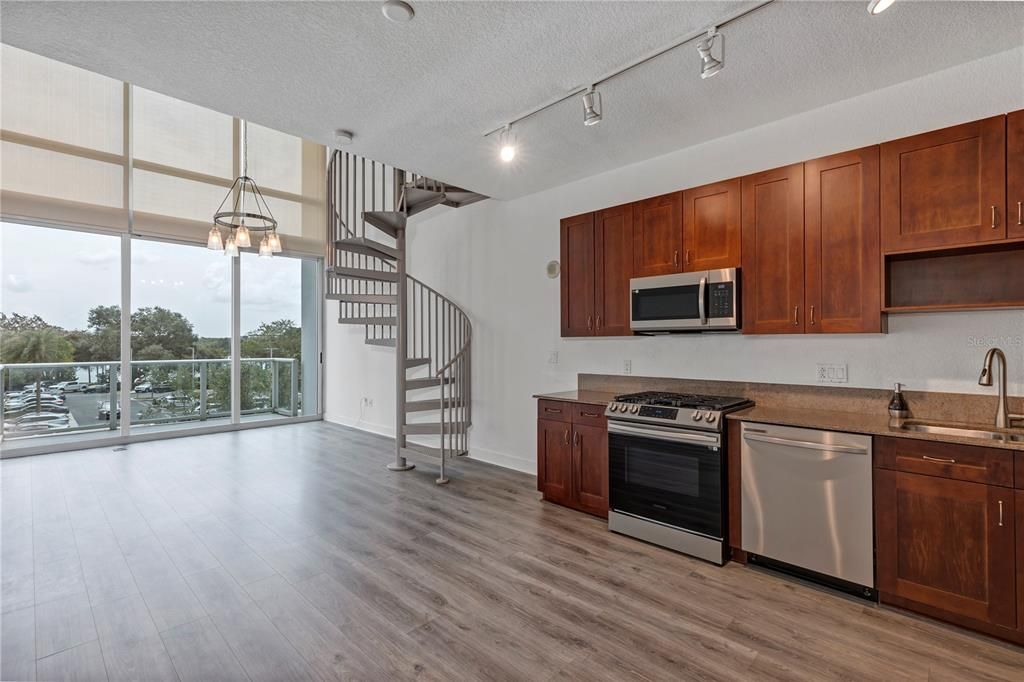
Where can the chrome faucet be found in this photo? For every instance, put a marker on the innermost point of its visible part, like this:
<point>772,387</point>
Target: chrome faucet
<point>1003,416</point>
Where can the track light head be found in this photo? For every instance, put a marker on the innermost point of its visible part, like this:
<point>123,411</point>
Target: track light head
<point>592,107</point>
<point>879,6</point>
<point>709,65</point>
<point>507,144</point>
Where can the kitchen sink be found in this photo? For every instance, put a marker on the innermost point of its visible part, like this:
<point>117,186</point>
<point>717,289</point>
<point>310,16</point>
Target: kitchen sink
<point>961,431</point>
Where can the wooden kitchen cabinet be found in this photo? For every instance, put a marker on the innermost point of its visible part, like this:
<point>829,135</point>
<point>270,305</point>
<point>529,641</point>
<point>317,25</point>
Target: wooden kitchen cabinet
<point>658,235</point>
<point>945,546</point>
<point>773,251</point>
<point>1019,507</point>
<point>711,226</point>
<point>572,456</point>
<point>945,188</point>
<point>842,254</point>
<point>554,460</point>
<point>613,266</point>
<point>1015,174</point>
<point>597,262</point>
<point>578,275</point>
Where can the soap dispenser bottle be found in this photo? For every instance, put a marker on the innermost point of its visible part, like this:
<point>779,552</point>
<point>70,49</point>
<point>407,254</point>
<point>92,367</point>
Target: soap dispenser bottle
<point>898,404</point>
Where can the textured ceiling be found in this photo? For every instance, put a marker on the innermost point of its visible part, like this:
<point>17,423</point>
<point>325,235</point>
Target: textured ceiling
<point>420,95</point>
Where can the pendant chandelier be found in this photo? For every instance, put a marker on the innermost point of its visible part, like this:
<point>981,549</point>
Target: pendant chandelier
<point>241,220</point>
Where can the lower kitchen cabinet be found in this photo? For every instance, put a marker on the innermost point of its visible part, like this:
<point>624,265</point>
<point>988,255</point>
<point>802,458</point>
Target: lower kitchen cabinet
<point>947,547</point>
<point>572,457</point>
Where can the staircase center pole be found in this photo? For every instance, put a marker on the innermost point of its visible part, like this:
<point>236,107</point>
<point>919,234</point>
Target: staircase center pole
<point>401,346</point>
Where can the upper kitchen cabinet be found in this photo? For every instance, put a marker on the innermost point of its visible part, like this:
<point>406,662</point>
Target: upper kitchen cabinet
<point>613,266</point>
<point>945,188</point>
<point>773,251</point>
<point>578,275</point>
<point>1015,174</point>
<point>843,260</point>
<point>711,226</point>
<point>597,262</point>
<point>658,235</point>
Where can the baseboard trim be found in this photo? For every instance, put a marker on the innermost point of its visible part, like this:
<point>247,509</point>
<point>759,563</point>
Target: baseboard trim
<point>361,425</point>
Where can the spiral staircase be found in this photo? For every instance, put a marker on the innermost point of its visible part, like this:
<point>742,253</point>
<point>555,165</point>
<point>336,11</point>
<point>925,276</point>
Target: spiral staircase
<point>368,207</point>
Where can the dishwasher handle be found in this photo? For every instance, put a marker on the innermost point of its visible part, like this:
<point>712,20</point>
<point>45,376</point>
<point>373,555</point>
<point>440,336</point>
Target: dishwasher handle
<point>810,445</point>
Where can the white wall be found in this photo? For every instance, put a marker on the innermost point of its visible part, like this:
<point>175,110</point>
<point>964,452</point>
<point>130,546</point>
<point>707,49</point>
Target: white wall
<point>490,258</point>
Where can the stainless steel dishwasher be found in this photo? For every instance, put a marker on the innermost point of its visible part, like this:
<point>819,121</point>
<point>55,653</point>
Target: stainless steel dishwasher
<point>806,503</point>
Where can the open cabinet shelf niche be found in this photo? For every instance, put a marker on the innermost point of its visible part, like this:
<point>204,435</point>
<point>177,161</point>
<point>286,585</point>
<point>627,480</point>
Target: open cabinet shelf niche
<point>981,277</point>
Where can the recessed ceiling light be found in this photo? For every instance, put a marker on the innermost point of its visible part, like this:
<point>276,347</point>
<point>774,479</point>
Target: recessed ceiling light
<point>879,6</point>
<point>342,137</point>
<point>398,11</point>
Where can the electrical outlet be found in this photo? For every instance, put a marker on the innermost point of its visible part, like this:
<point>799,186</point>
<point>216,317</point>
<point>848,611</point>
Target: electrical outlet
<point>627,366</point>
<point>553,357</point>
<point>831,373</point>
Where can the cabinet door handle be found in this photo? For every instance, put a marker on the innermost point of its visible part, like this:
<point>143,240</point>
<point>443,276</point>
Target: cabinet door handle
<point>590,322</point>
<point>576,438</point>
<point>796,316</point>
<point>1000,513</point>
<point>688,254</point>
<point>812,315</point>
<point>590,414</point>
<point>599,322</point>
<point>944,460</point>
<point>1020,213</point>
<point>993,216</point>
<point>552,410</point>
<point>566,436</point>
<point>675,258</point>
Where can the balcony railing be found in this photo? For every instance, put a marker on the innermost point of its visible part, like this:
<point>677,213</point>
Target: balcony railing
<point>164,392</point>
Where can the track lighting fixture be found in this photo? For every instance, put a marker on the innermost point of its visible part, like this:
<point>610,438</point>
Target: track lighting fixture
<point>507,143</point>
<point>591,107</point>
<point>709,66</point>
<point>879,6</point>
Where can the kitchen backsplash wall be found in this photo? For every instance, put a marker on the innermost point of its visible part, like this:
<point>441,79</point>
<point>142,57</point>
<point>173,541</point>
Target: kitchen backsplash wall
<point>491,258</point>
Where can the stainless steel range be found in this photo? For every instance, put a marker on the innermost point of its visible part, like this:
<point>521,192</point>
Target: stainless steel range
<point>667,470</point>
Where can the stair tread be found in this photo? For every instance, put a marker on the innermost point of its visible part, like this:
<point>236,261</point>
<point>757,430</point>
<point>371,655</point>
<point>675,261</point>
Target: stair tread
<point>428,428</point>
<point>418,199</point>
<point>416,362</point>
<point>389,343</point>
<point>430,404</point>
<point>371,321</point>
<point>425,382</point>
<point>389,222</point>
<point>363,273</point>
<point>387,299</point>
<point>367,247</point>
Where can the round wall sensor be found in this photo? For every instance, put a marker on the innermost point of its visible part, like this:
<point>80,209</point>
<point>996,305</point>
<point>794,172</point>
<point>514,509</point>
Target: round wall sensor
<point>342,137</point>
<point>554,268</point>
<point>397,11</point>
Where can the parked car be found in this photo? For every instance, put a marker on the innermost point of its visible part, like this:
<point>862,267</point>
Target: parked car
<point>41,417</point>
<point>97,388</point>
<point>144,387</point>
<point>104,411</point>
<point>74,387</point>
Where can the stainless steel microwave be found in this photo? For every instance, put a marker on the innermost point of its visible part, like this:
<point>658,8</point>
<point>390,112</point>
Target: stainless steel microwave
<point>685,302</point>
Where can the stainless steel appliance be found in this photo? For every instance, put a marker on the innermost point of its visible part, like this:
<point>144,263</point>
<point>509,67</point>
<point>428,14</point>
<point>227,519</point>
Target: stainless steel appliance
<point>806,503</point>
<point>686,302</point>
<point>666,457</point>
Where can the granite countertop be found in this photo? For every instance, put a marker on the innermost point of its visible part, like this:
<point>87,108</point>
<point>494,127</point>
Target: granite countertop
<point>855,422</point>
<point>851,422</point>
<point>583,396</point>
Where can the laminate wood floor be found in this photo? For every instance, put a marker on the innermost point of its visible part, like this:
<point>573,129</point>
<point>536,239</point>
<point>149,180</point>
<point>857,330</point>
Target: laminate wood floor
<point>291,553</point>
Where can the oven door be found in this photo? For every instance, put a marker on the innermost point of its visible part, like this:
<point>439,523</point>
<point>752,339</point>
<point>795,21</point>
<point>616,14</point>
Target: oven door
<point>667,475</point>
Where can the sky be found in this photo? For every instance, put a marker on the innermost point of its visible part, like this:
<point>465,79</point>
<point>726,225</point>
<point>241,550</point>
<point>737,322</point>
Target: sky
<point>60,274</point>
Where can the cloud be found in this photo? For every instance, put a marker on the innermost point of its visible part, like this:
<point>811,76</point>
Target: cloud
<point>217,279</point>
<point>17,284</point>
<point>103,257</point>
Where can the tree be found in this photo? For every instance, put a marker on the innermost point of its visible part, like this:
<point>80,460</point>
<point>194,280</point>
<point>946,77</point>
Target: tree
<point>279,339</point>
<point>105,332</point>
<point>15,323</point>
<point>161,327</point>
<point>37,346</point>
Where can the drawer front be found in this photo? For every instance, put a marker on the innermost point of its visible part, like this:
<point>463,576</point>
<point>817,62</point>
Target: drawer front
<point>945,460</point>
<point>554,409</point>
<point>589,415</point>
<point>1020,479</point>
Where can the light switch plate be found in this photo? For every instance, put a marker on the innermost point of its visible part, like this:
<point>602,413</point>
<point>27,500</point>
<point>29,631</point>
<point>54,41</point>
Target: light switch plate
<point>831,373</point>
<point>553,357</point>
<point>627,366</point>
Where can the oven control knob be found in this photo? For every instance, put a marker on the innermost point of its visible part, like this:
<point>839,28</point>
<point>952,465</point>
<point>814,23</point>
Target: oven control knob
<point>711,417</point>
<point>614,407</point>
<point>634,409</point>
<point>697,416</point>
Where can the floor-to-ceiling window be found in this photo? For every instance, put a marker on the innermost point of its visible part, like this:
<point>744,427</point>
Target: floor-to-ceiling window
<point>107,192</point>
